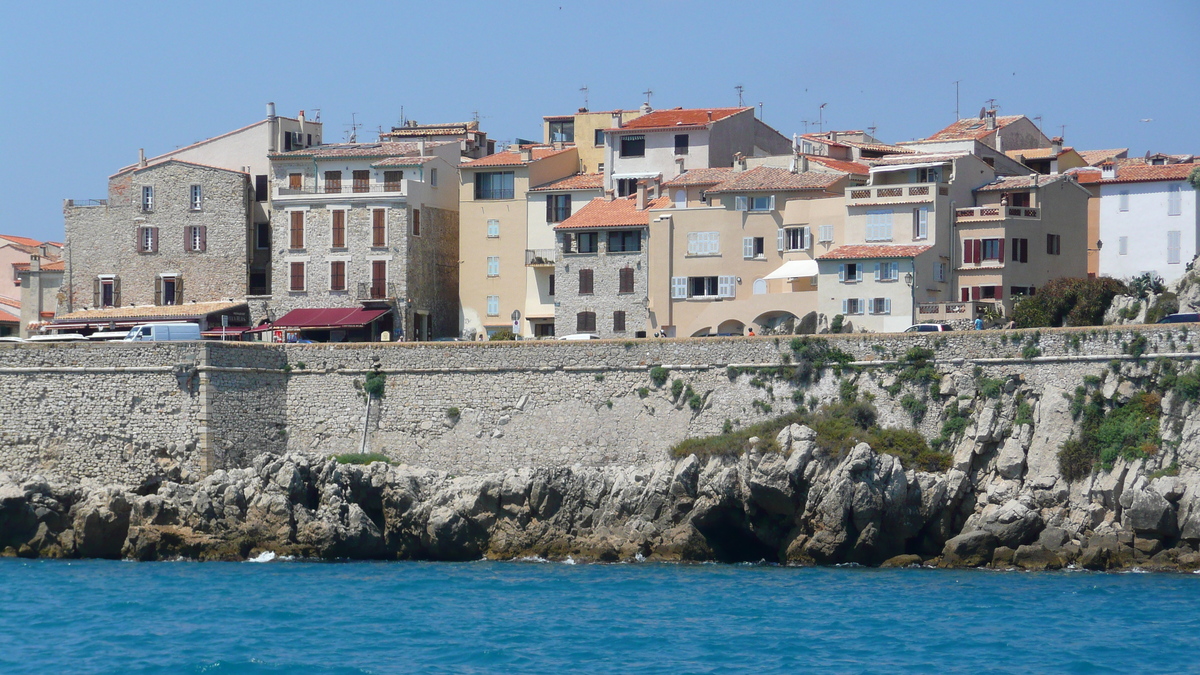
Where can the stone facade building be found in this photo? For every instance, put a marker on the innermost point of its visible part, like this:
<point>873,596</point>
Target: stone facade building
<point>368,224</point>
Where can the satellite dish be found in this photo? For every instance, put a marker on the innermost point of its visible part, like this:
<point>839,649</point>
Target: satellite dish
<point>1147,155</point>
<point>982,113</point>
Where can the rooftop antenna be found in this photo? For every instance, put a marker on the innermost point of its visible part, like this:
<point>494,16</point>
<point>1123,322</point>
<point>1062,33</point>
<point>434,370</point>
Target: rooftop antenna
<point>649,92</point>
<point>475,116</point>
<point>760,110</point>
<point>872,129</point>
<point>956,117</point>
<point>354,125</point>
<point>584,89</point>
<point>805,123</point>
<point>316,114</point>
<point>821,118</point>
<point>1038,120</point>
<point>1062,130</point>
<point>991,104</point>
<point>402,120</point>
<point>739,88</point>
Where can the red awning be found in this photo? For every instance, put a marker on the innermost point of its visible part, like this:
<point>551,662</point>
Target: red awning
<point>327,318</point>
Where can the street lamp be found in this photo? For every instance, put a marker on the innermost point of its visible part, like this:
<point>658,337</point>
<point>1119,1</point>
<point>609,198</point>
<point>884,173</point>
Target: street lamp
<point>912,299</point>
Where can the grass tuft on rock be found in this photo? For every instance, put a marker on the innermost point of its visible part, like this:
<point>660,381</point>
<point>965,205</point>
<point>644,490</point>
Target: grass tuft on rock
<point>361,458</point>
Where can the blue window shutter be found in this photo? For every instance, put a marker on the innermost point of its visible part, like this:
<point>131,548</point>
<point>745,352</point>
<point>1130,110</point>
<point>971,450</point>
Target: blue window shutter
<point>841,272</point>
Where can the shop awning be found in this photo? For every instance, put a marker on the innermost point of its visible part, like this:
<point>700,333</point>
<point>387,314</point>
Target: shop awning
<point>793,269</point>
<point>326,318</point>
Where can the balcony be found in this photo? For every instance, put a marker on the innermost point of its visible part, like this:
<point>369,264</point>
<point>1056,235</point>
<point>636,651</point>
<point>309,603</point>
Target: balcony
<point>981,214</point>
<point>916,193</point>
<point>539,257</point>
<point>347,189</point>
<point>376,290</point>
<point>87,202</point>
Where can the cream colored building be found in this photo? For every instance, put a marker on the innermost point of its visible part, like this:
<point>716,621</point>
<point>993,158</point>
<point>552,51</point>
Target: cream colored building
<point>497,274</point>
<point>585,130</point>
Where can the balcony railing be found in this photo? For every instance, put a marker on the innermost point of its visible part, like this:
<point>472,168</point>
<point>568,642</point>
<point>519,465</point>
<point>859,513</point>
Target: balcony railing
<point>996,212</point>
<point>87,202</point>
<point>377,290</point>
<point>539,257</point>
<point>373,188</point>
<point>922,192</point>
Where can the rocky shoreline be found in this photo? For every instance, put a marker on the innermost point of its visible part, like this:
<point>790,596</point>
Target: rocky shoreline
<point>798,505</point>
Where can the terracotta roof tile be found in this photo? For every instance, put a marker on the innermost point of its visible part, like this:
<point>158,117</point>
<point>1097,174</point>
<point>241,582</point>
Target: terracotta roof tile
<point>52,266</point>
<point>919,158</point>
<point>190,309</point>
<point>872,251</point>
<point>972,128</point>
<point>404,161</point>
<point>679,117</point>
<point>710,176</point>
<point>1021,182</point>
<point>1140,173</point>
<point>616,213</point>
<point>580,181</point>
<point>1094,157</point>
<point>442,129</point>
<point>1036,153</point>
<point>772,179</point>
<point>856,168</point>
<point>361,150</point>
<point>24,241</point>
<point>10,302</point>
<point>509,158</point>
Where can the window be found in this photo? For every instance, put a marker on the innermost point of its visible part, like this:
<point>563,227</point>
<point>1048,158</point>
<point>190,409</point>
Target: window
<point>588,242</point>
<point>295,181</point>
<point>493,266</point>
<point>1019,291</point>
<point>338,235</point>
<point>1174,203</point>
<point>1053,244</point>
<point>850,272</point>
<point>681,198</point>
<point>333,182</point>
<point>196,197</point>
<point>392,181</point>
<point>493,305</point>
<point>794,239</point>
<point>852,306</point>
<point>562,132</point>
<point>625,280</point>
<point>1122,245</point>
<point>262,235</point>
<point>195,238</point>
<point>147,241</point>
<point>679,288</point>
<point>939,272</point>
<point>378,279</point>
<point>297,277</point>
<point>168,290</point>
<point>550,290</point>
<point>585,282</point>
<point>558,208</point>
<point>928,175</point>
<point>1123,202</point>
<point>260,188</point>
<point>416,222</point>
<point>752,247</point>
<point>879,225</point>
<point>493,228</point>
<point>624,241</point>
<point>147,197</point>
<point>990,292</point>
<point>1020,250</point>
<point>362,180</point>
<point>626,186</point>
<point>106,292</point>
<point>681,144</point>
<point>633,146</point>
<point>920,223</point>
<point>1173,240</point>
<point>433,178</point>
<point>887,271</point>
<point>378,227</point>
<point>703,287</point>
<point>993,249</point>
<point>1021,199</point>
<point>762,203</point>
<point>297,230</point>
<point>760,286</point>
<point>585,322</point>
<point>337,275</point>
<point>881,305</point>
<point>494,185</point>
<point>825,234</point>
<point>618,321</point>
<point>704,243</point>
<point>599,138</point>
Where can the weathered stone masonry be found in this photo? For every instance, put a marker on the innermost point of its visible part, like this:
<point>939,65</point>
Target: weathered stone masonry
<point>123,412</point>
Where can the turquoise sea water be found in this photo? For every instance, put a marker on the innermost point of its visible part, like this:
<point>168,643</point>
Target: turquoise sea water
<point>284,617</point>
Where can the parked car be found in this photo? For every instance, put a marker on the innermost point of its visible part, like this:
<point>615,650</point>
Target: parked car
<point>58,337</point>
<point>928,328</point>
<point>11,338</point>
<point>580,336</point>
<point>1182,317</point>
<point>164,331</point>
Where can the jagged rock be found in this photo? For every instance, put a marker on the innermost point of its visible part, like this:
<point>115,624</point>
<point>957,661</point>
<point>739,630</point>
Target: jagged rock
<point>1003,557</point>
<point>1053,538</point>
<point>1147,512</point>
<point>973,549</point>
<point>1014,524</point>
<point>1010,463</point>
<point>1037,557</point>
<point>902,560</point>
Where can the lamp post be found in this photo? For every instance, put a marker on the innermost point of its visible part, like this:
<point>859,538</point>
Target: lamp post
<point>912,299</point>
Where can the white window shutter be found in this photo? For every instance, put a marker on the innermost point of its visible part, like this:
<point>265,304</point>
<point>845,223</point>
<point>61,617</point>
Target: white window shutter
<point>845,306</point>
<point>678,288</point>
<point>725,286</point>
<point>807,243</point>
<point>691,245</point>
<point>741,203</point>
<point>716,242</point>
<point>877,271</point>
<point>771,203</point>
<point>782,239</point>
<point>895,270</point>
<point>858,272</point>
<point>841,272</point>
<point>887,306</point>
<point>923,224</point>
<point>747,247</point>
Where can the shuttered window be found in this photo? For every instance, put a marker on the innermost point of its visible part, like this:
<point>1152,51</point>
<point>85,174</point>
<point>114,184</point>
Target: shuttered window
<point>338,236</point>
<point>625,280</point>
<point>337,275</point>
<point>297,230</point>
<point>585,322</point>
<point>879,226</point>
<point>1174,200</point>
<point>378,279</point>
<point>297,277</point>
<point>362,181</point>
<point>921,223</point>
<point>1173,246</point>
<point>704,243</point>
<point>618,321</point>
<point>585,282</point>
<point>679,288</point>
<point>333,182</point>
<point>416,223</point>
<point>391,181</point>
<point>195,238</point>
<point>378,227</point>
<point>147,239</point>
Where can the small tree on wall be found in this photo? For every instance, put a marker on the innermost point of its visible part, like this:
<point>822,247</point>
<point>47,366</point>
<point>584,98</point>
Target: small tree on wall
<point>1194,178</point>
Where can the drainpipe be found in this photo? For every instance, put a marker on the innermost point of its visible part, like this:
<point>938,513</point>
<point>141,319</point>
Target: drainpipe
<point>362,446</point>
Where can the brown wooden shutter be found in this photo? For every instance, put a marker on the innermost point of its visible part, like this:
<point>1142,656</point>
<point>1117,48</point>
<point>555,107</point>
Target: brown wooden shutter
<point>549,208</point>
<point>976,293</point>
<point>187,238</point>
<point>297,230</point>
<point>378,227</point>
<point>203,237</point>
<point>154,240</point>
<point>999,292</point>
<point>137,240</point>
<point>568,242</point>
<point>585,282</point>
<point>116,291</point>
<point>96,292</point>
<point>339,229</point>
<point>618,321</point>
<point>965,294</point>
<point>158,290</point>
<point>416,222</point>
<point>1001,253</point>
<point>179,290</point>
<point>626,280</point>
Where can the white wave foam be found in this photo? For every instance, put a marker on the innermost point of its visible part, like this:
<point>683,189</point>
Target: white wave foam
<point>569,561</point>
<point>265,556</point>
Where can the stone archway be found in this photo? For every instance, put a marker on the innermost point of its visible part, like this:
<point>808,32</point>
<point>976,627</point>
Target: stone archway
<point>731,327</point>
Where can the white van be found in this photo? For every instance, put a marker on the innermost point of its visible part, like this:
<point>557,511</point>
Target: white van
<point>163,331</point>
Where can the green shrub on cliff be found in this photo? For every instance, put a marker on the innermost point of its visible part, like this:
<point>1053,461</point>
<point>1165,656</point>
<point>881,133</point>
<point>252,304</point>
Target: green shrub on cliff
<point>361,458</point>
<point>658,375</point>
<point>1068,302</point>
<point>374,384</point>
<point>1129,431</point>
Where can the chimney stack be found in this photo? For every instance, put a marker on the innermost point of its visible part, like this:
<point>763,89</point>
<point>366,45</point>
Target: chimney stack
<point>526,154</point>
<point>709,113</point>
<point>991,119</point>
<point>421,145</point>
<point>609,195</point>
<point>1056,145</point>
<point>640,205</point>
<point>1108,169</point>
<point>141,158</point>
<point>616,120</point>
<point>803,163</point>
<point>271,110</point>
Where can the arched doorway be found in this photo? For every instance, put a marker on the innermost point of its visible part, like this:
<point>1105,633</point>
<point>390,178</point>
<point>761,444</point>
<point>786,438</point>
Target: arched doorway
<point>731,327</point>
<point>772,321</point>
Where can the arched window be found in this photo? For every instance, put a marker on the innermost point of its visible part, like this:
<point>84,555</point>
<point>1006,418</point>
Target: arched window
<point>760,286</point>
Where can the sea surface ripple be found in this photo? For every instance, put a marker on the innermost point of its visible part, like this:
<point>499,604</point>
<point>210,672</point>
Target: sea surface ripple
<point>487,617</point>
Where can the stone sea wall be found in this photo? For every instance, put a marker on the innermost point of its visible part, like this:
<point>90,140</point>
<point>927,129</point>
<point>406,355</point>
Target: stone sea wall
<point>126,412</point>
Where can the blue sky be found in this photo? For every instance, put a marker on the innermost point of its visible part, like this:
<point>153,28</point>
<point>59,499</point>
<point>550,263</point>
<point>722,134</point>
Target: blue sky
<point>85,84</point>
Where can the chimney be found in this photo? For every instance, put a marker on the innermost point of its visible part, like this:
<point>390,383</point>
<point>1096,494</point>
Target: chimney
<point>141,158</point>
<point>646,109</point>
<point>803,163</point>
<point>1108,169</point>
<point>271,110</point>
<point>608,195</point>
<point>35,261</point>
<point>616,120</point>
<point>300,117</point>
<point>709,113</point>
<point>1034,177</point>
<point>640,205</point>
<point>526,154</point>
<point>991,119</point>
<point>421,146</point>
<point>1056,145</point>
<point>656,188</point>
<point>833,136</point>
<point>679,170</point>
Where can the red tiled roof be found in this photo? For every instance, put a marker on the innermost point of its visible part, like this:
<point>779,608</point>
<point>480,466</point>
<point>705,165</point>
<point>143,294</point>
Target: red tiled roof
<point>403,161</point>
<point>508,158</point>
<point>441,129</point>
<point>919,158</point>
<point>25,241</point>
<point>700,177</point>
<point>1036,153</point>
<point>10,302</point>
<point>679,117</point>
<point>580,181</point>
<point>621,212</point>
<point>839,165</point>
<point>1021,182</point>
<point>772,179</point>
<point>52,266</point>
<point>1094,157</point>
<point>871,251</point>
<point>1140,173</point>
<point>972,128</point>
<point>187,310</point>
<point>172,160</point>
<point>360,150</point>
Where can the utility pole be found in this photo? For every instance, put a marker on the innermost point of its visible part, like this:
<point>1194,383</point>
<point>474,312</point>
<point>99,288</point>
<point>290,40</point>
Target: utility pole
<point>956,114</point>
